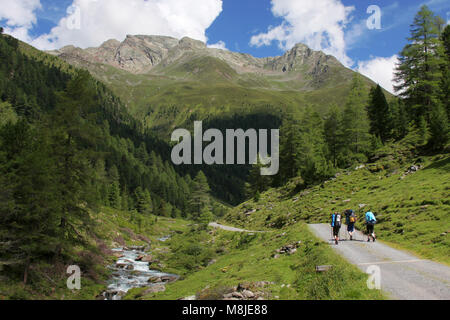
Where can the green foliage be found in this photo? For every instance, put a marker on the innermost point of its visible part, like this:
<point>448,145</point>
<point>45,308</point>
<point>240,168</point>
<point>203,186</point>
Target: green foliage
<point>200,199</point>
<point>30,210</point>
<point>68,146</point>
<point>355,124</point>
<point>256,182</point>
<point>419,72</point>
<point>379,114</point>
<point>439,128</point>
<point>190,253</point>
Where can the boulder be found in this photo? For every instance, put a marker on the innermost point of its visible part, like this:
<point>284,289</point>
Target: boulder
<point>121,265</point>
<point>169,278</point>
<point>149,259</point>
<point>154,280</point>
<point>118,255</point>
<point>154,289</point>
<point>237,295</point>
<point>248,294</point>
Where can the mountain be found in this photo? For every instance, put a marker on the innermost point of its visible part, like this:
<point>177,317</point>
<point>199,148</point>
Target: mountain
<point>155,54</point>
<point>168,82</point>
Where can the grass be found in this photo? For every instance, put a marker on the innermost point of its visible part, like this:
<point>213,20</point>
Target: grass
<point>412,210</point>
<point>250,258</point>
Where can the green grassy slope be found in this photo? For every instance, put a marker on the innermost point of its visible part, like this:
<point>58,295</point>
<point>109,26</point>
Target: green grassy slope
<point>250,258</point>
<point>203,87</point>
<point>413,210</point>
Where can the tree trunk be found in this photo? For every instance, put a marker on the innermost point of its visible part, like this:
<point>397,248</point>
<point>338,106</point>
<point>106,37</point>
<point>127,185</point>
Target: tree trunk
<point>25,273</point>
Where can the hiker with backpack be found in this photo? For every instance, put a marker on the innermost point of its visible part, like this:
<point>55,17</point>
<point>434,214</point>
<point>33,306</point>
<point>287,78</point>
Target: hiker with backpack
<point>370,222</point>
<point>350,220</point>
<point>336,226</point>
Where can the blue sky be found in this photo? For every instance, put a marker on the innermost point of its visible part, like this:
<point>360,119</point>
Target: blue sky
<point>259,27</point>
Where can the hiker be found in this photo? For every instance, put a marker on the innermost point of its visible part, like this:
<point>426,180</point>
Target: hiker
<point>370,222</point>
<point>336,225</point>
<point>350,220</point>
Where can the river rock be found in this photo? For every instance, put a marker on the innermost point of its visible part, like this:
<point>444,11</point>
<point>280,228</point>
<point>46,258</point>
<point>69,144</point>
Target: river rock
<point>237,295</point>
<point>248,294</point>
<point>154,289</point>
<point>169,278</point>
<point>118,255</point>
<point>113,294</point>
<point>138,248</point>
<point>154,280</point>
<point>149,259</point>
<point>121,265</point>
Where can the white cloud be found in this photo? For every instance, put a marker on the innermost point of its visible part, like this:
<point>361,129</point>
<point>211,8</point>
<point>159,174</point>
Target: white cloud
<point>319,24</point>
<point>19,16</point>
<point>219,45</point>
<point>91,22</point>
<point>381,70</point>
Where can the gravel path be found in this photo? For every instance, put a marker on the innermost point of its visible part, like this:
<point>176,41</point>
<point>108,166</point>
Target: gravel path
<point>403,276</point>
<point>232,229</point>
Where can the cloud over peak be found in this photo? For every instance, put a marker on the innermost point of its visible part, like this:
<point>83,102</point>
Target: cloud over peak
<point>319,24</point>
<point>90,22</point>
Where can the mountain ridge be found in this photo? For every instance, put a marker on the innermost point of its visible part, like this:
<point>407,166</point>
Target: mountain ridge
<point>143,53</point>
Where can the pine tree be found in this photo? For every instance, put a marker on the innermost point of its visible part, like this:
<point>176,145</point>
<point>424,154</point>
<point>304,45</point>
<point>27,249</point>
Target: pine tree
<point>379,114</point>
<point>333,135</point>
<point>445,82</point>
<point>289,146</point>
<point>439,128</point>
<point>311,159</point>
<point>200,199</point>
<point>257,183</point>
<point>419,73</point>
<point>29,205</point>
<point>71,128</point>
<point>422,129</point>
<point>114,198</point>
<point>144,203</point>
<point>400,120</point>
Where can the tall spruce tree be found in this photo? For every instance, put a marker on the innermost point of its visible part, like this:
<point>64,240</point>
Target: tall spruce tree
<point>333,135</point>
<point>419,73</point>
<point>311,158</point>
<point>30,209</point>
<point>257,183</point>
<point>289,146</point>
<point>72,130</point>
<point>400,119</point>
<point>200,198</point>
<point>445,82</point>
<point>379,114</point>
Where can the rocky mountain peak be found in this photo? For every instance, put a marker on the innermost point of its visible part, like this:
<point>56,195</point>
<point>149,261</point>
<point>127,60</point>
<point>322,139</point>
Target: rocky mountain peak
<point>142,53</point>
<point>191,44</point>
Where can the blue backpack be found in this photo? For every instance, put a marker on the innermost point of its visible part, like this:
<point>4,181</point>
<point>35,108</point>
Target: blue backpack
<point>335,220</point>
<point>370,218</point>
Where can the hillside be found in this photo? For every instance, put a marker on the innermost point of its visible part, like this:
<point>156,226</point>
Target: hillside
<point>412,207</point>
<point>166,81</point>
